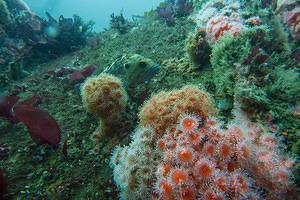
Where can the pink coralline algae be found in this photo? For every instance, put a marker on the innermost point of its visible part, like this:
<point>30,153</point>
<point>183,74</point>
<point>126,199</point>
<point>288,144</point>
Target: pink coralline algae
<point>41,126</point>
<point>218,25</point>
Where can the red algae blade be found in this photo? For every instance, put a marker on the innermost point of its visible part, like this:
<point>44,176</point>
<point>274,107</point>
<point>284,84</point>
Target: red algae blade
<point>39,123</point>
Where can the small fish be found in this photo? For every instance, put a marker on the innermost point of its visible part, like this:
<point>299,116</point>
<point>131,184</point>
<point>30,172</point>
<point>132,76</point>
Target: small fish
<point>133,69</point>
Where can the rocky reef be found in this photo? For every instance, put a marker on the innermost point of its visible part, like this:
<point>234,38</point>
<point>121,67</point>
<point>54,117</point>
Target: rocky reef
<point>193,100</point>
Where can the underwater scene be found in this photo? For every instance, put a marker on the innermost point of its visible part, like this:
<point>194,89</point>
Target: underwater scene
<point>192,99</point>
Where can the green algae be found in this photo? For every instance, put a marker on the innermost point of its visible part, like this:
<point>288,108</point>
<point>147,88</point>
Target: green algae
<point>5,18</point>
<point>43,168</point>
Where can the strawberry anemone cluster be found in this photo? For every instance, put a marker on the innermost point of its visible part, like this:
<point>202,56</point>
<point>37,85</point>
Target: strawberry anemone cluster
<point>190,155</point>
<point>200,160</point>
<point>105,97</point>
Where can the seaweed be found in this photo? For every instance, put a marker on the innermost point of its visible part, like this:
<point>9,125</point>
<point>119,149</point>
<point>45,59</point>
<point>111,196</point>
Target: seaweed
<point>73,32</point>
<point>119,23</point>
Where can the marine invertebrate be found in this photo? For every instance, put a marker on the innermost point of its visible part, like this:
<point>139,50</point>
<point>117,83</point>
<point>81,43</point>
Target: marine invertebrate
<point>185,155</point>
<point>136,172</point>
<point>163,163</point>
<point>164,109</point>
<point>105,97</point>
<point>188,123</point>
